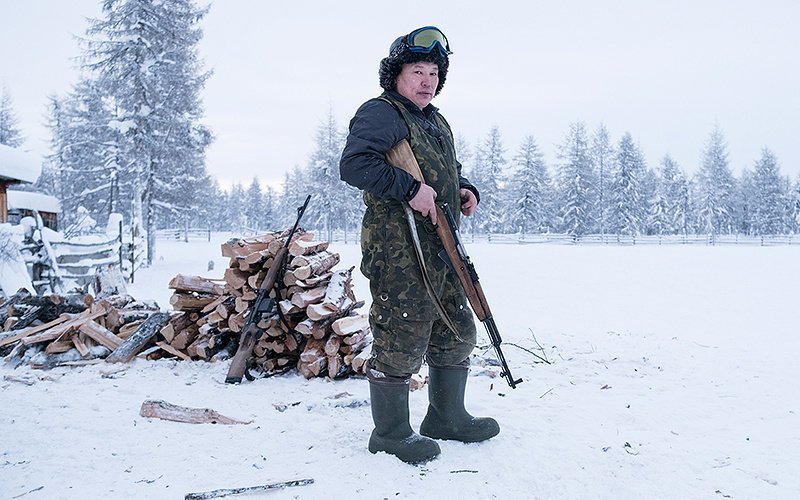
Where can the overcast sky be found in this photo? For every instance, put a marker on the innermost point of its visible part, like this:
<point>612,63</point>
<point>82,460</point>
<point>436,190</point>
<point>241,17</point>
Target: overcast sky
<point>665,71</point>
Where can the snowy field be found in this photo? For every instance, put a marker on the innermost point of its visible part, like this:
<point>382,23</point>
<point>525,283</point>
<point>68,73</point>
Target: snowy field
<point>674,374</point>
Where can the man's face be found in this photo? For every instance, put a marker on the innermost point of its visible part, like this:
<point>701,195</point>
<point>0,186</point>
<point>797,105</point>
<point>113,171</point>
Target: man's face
<point>418,81</point>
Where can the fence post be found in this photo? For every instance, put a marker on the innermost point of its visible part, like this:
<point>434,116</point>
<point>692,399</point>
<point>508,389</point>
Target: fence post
<point>186,230</point>
<point>121,269</point>
<point>209,235</point>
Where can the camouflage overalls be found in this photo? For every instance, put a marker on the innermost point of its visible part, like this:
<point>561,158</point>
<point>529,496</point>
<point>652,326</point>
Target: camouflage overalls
<point>405,323</point>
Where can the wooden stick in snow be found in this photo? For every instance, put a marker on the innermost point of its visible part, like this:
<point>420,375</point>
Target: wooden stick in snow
<point>156,408</point>
<point>247,489</point>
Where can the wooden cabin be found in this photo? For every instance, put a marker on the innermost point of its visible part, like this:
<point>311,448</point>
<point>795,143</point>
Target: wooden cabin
<point>16,167</point>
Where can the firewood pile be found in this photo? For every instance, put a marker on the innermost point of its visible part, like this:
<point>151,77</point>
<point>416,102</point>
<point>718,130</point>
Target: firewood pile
<point>75,328</point>
<point>316,329</point>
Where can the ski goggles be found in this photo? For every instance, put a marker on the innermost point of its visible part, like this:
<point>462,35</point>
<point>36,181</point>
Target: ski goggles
<point>426,39</point>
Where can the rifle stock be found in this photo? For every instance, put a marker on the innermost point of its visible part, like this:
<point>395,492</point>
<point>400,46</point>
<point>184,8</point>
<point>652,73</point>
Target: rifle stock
<point>403,157</point>
<point>262,307</point>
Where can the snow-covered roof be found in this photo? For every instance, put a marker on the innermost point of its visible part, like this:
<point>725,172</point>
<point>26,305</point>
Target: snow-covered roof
<point>16,164</point>
<point>33,201</point>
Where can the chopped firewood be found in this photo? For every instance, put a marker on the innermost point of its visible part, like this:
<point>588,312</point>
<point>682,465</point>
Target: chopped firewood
<point>45,362</point>
<point>166,347</point>
<point>189,301</point>
<point>351,324</point>
<point>116,318</point>
<point>59,330</point>
<point>185,337</point>
<point>312,296</point>
<point>136,342</point>
<point>288,308</point>
<point>33,329</point>
<point>332,345</point>
<point>240,305</point>
<point>300,234</point>
<point>305,247</point>
<point>355,338</point>
<point>235,278</point>
<point>102,336</point>
<point>213,304</point>
<point>311,328</point>
<point>80,344</point>
<point>168,411</point>
<point>236,322</point>
<point>207,495</point>
<point>59,346</point>
<point>308,265</point>
<point>359,362</point>
<point>184,283</point>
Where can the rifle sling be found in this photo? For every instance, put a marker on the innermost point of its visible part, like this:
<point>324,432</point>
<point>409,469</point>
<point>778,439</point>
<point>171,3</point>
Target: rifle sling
<point>412,225</point>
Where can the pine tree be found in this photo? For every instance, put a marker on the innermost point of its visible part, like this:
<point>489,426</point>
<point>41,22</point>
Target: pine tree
<point>674,191</point>
<point>253,206</point>
<point>531,190</point>
<point>10,134</point>
<point>332,199</point>
<point>576,183</point>
<point>627,211</point>
<point>602,154</point>
<point>715,185</point>
<point>144,55</point>
<point>770,197</point>
<point>489,178</point>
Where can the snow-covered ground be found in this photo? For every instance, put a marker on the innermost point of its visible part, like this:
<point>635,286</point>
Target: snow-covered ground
<point>673,375</point>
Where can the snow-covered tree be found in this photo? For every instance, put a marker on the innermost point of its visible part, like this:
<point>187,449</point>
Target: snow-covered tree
<point>628,208</point>
<point>144,56</point>
<point>10,134</point>
<point>332,198</point>
<point>488,176</point>
<point>673,190</point>
<point>253,206</point>
<point>769,208</point>
<point>715,184</point>
<point>576,183</point>
<point>603,157</point>
<point>530,190</point>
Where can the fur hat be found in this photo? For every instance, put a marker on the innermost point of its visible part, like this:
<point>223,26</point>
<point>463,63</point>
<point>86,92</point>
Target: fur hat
<point>399,55</point>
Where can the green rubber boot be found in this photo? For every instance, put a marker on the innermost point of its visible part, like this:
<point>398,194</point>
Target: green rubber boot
<point>393,433</point>
<point>447,418</point>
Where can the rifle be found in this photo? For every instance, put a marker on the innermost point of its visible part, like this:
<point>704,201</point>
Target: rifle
<point>455,255</point>
<point>264,306</point>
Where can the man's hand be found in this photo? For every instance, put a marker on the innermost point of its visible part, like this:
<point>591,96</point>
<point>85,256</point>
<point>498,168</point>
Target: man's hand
<point>424,202</point>
<point>469,204</point>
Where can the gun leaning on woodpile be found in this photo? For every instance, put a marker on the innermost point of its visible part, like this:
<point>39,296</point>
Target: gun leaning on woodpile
<point>455,255</point>
<point>263,307</point>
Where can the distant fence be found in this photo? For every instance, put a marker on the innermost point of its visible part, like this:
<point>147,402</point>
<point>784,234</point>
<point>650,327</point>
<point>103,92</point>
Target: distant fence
<point>205,234</point>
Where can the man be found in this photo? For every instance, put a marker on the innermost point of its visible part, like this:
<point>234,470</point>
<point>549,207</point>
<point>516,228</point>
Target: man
<point>405,322</point>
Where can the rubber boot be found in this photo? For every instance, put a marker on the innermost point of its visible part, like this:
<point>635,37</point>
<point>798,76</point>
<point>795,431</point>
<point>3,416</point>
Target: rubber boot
<point>447,418</point>
<point>393,433</point>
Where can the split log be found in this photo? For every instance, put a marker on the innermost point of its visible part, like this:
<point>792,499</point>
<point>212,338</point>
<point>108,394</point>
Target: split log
<point>13,337</point>
<point>136,342</point>
<point>308,265</point>
<point>351,324</point>
<point>184,283</point>
<point>74,321</point>
<point>332,345</point>
<point>312,296</point>
<point>116,318</point>
<point>359,362</point>
<point>168,411</point>
<point>242,247</point>
<point>59,346</point>
<point>168,348</point>
<point>300,234</point>
<point>213,305</point>
<point>44,361</point>
<point>305,247</point>
<point>235,278</point>
<point>185,337</point>
<point>190,301</point>
<point>101,335</point>
<point>207,495</point>
<point>311,328</point>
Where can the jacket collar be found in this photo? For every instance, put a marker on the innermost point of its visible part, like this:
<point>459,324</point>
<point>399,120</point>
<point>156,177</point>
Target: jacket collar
<point>428,111</point>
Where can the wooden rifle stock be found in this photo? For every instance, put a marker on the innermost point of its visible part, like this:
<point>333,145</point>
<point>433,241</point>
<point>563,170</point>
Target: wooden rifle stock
<point>264,306</point>
<point>455,254</point>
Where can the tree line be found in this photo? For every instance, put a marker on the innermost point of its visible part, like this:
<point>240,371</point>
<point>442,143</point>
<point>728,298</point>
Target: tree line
<point>128,138</point>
